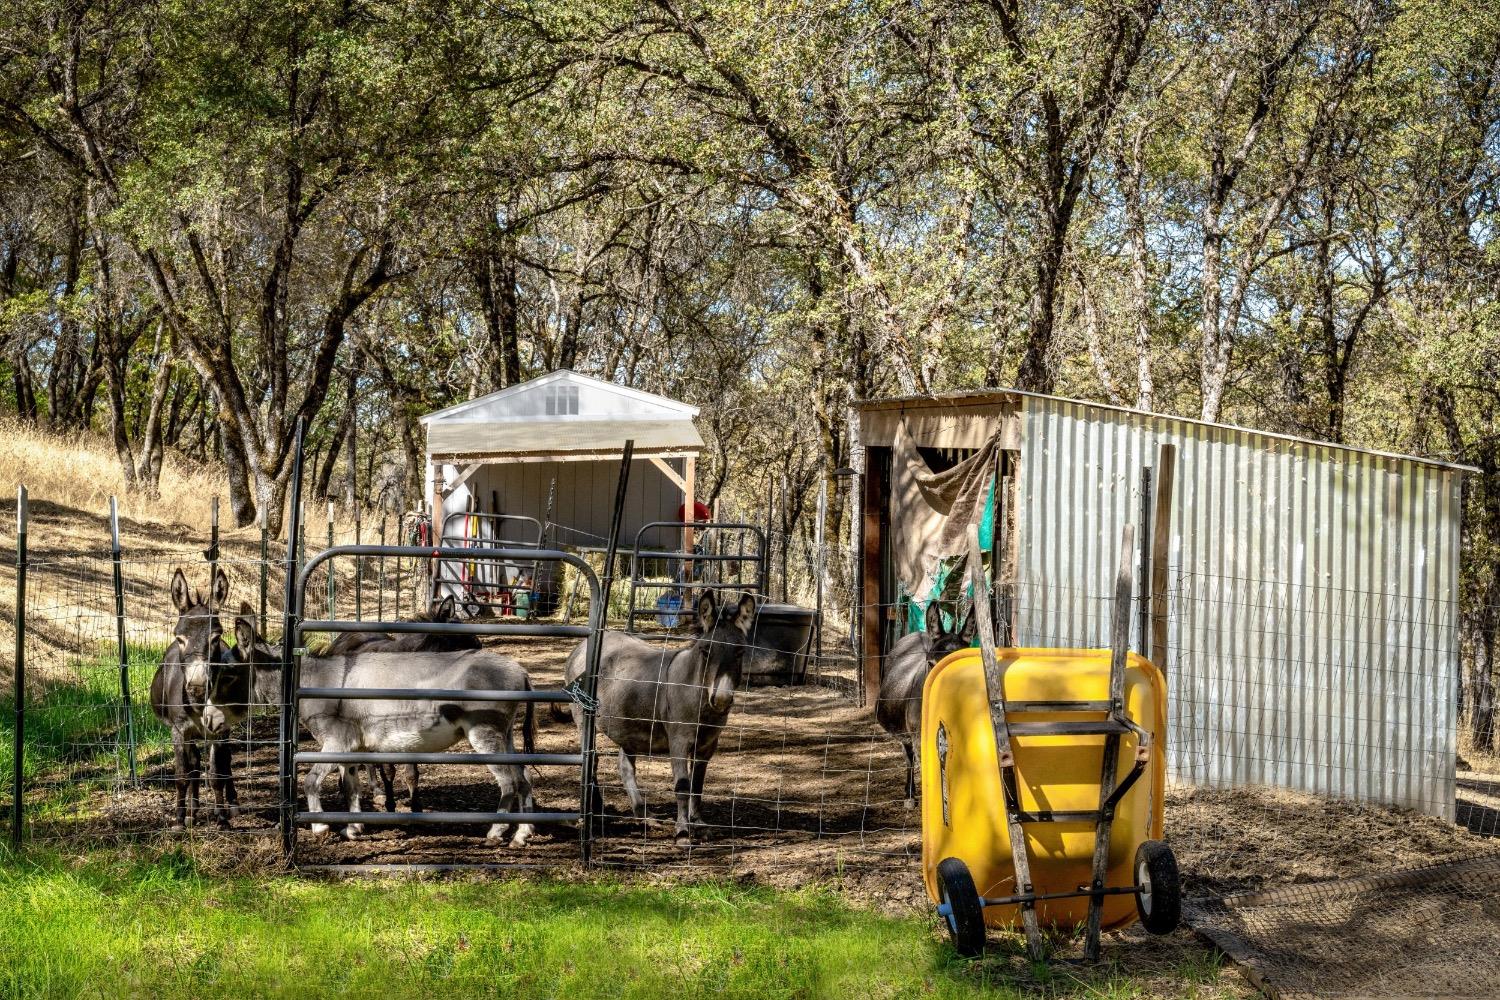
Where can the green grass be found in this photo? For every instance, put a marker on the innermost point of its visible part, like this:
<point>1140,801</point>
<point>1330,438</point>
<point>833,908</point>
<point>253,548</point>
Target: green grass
<point>106,928</point>
<point>78,728</point>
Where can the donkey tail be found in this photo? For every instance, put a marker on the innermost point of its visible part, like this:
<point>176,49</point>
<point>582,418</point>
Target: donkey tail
<point>528,726</point>
<point>559,712</point>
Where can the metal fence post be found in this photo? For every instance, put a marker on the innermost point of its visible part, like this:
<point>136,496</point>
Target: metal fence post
<point>330,565</point>
<point>598,619</point>
<point>212,555</point>
<point>820,555</point>
<point>359,569</point>
<point>290,612</point>
<point>380,576</point>
<point>20,734</point>
<point>115,558</point>
<point>265,559</point>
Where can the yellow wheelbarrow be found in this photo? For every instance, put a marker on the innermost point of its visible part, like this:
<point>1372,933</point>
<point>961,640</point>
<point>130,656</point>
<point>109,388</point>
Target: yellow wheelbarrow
<point>1042,780</point>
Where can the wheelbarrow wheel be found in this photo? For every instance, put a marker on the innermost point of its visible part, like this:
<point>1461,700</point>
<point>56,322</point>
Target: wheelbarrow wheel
<point>1158,894</point>
<point>965,914</point>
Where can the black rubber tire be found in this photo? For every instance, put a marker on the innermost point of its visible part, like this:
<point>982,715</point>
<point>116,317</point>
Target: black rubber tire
<point>966,921</point>
<point>1158,898</point>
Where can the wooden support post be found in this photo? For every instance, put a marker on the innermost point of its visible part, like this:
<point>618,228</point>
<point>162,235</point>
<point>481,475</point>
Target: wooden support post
<point>689,484</point>
<point>872,614</point>
<point>1161,548</point>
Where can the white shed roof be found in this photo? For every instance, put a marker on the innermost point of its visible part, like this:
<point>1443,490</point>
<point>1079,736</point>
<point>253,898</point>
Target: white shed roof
<point>560,415</point>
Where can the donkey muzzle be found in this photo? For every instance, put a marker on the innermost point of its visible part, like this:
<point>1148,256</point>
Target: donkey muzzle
<point>214,721</point>
<point>195,680</point>
<point>721,695</point>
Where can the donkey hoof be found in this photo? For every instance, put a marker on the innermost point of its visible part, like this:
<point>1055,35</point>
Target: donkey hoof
<point>683,839</point>
<point>177,824</point>
<point>319,828</point>
<point>523,835</point>
<point>354,831</point>
<point>234,811</point>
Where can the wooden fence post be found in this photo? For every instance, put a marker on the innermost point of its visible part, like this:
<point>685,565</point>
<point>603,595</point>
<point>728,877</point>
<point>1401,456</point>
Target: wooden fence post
<point>1161,537</point>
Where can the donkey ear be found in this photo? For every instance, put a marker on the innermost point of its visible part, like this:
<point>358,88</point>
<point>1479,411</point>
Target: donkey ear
<point>221,587</point>
<point>970,628</point>
<point>444,610</point>
<point>934,621</point>
<point>708,611</point>
<point>244,633</point>
<point>246,611</point>
<point>745,615</point>
<point>182,599</point>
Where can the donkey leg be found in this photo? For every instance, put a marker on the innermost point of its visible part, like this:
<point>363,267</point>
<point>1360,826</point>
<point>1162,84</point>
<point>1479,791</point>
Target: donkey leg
<point>218,777</point>
<point>231,794</point>
<point>695,799</point>
<point>350,779</point>
<point>312,787</point>
<point>194,776</point>
<point>413,803</point>
<point>515,790</point>
<point>387,785</point>
<point>627,778</point>
<point>180,766</point>
<point>680,744</point>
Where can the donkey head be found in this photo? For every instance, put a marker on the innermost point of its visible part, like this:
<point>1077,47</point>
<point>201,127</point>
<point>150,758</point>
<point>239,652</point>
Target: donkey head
<point>199,638</point>
<point>251,648</point>
<point>724,633</point>
<point>941,641</point>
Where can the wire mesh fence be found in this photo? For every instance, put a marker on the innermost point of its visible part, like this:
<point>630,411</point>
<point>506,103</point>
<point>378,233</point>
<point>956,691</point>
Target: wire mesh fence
<point>1295,755</point>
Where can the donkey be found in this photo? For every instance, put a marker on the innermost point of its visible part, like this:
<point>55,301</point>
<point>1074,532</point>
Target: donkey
<point>199,691</point>
<point>442,612</point>
<point>898,707</point>
<point>655,699</point>
<point>421,725</point>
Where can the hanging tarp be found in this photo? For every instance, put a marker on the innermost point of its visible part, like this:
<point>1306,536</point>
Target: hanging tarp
<point>930,517</point>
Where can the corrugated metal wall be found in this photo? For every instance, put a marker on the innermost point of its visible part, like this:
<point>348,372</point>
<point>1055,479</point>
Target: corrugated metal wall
<point>1313,608</point>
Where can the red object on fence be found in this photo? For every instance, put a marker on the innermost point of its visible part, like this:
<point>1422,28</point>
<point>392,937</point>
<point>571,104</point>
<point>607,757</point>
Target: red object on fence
<point>701,513</point>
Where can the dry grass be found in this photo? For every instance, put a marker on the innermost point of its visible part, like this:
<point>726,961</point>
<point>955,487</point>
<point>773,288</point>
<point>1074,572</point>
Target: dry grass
<point>69,479</point>
<point>80,470</point>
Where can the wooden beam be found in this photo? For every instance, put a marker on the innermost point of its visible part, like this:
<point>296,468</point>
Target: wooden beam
<point>1161,547</point>
<point>688,482</point>
<point>872,614</point>
<point>463,477</point>
<point>671,473</point>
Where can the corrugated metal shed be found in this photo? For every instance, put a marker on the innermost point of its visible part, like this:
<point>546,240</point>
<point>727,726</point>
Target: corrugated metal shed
<point>1312,626</point>
<point>1313,593</point>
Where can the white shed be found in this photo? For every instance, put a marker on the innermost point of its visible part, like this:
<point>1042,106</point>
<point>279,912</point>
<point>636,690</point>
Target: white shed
<point>549,449</point>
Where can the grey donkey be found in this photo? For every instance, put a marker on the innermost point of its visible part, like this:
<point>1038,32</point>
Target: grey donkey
<point>898,707</point>
<point>441,612</point>
<point>661,699</point>
<point>199,691</point>
<point>421,725</point>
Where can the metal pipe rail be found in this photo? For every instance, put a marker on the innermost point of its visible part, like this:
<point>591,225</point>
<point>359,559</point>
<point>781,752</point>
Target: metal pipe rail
<point>429,818</point>
<point>759,557</point>
<point>432,694</point>
<point>448,628</point>
<point>296,628</point>
<point>419,757</point>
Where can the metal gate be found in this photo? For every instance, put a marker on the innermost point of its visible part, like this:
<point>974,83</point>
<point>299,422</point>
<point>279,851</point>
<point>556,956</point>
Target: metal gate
<point>582,692</point>
<point>705,569</point>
